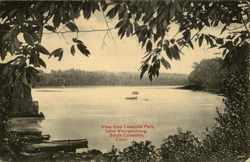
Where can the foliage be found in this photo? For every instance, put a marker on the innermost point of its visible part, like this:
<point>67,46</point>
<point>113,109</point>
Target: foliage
<point>10,144</point>
<point>136,152</point>
<point>23,25</point>
<point>139,151</point>
<point>209,74</point>
<point>181,147</point>
<point>86,78</point>
<point>152,20</point>
<point>229,139</point>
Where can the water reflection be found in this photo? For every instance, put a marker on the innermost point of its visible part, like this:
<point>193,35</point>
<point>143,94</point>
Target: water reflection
<point>26,124</point>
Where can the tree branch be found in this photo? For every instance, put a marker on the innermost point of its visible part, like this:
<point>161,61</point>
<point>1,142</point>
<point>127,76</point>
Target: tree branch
<point>103,40</point>
<point>109,29</point>
<point>82,31</point>
<point>245,25</point>
<point>236,28</point>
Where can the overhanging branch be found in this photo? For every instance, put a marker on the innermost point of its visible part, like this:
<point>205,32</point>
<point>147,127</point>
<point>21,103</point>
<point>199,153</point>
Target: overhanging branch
<point>81,31</point>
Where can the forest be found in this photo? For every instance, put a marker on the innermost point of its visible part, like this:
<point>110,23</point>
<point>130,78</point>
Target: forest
<point>75,77</point>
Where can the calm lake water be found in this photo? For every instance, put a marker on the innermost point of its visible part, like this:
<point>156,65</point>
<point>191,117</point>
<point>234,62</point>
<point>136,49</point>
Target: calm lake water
<point>76,113</point>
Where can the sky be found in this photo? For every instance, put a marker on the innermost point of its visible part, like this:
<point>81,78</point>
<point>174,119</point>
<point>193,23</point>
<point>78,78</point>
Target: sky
<point>116,55</point>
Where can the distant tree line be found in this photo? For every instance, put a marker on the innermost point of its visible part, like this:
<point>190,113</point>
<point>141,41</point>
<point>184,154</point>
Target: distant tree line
<point>74,77</point>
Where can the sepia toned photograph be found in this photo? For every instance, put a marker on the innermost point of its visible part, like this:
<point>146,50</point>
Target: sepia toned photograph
<point>124,81</point>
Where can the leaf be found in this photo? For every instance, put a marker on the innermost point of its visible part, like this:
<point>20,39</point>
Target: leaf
<point>60,56</point>
<point>172,12</point>
<point>83,49</point>
<point>175,52</point>
<point>51,8</point>
<point>212,13</point>
<point>56,21</point>
<point>223,29</point>
<point>172,41</point>
<point>112,12</point>
<point>168,53</point>
<point>7,35</point>
<point>119,24</point>
<point>150,77</point>
<point>57,53</point>
<point>224,52</point>
<point>216,23</point>
<point>200,40</point>
<point>144,68</point>
<point>17,43</point>
<point>28,38</point>
<point>136,27</point>
<point>236,40</point>
<point>229,45</point>
<point>129,30</point>
<point>12,48</point>
<point>165,64</point>
<point>187,35</point>
<point>42,49</point>
<point>219,41</point>
<point>149,46</point>
<point>41,62</point>
<point>24,79</point>
<point>76,40</point>
<point>177,5</point>
<point>207,38</point>
<point>2,13</point>
<point>50,28</point>
<point>191,44</point>
<point>72,50</point>
<point>3,55</point>
<point>206,22</point>
<point>72,26</point>
<point>147,59</point>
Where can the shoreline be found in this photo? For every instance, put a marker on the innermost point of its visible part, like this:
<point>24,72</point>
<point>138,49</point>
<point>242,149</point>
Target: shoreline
<point>194,87</point>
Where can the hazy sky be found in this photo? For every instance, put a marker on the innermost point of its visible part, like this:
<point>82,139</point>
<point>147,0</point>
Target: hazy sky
<point>120,55</point>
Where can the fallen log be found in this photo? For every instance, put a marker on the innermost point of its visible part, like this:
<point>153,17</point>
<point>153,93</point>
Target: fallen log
<point>24,133</point>
<point>35,138</point>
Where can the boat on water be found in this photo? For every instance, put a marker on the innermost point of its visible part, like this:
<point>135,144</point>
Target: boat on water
<point>131,98</point>
<point>135,93</point>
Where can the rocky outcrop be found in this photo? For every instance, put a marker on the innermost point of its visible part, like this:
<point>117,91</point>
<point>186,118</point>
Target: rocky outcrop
<point>22,104</point>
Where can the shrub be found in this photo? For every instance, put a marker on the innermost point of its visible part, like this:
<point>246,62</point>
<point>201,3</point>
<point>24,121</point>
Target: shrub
<point>139,151</point>
<point>183,146</point>
<point>229,139</point>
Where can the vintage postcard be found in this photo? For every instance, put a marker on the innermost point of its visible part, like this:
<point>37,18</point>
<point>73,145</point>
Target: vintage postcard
<point>139,80</point>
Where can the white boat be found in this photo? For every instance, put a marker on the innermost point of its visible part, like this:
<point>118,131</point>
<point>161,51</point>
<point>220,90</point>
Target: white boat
<point>131,98</point>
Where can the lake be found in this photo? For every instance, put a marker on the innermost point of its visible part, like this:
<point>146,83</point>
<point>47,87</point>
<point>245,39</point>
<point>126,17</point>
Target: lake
<point>80,112</point>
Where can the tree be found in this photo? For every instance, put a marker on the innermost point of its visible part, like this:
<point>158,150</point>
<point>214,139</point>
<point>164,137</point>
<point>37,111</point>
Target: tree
<point>181,147</point>
<point>209,73</point>
<point>149,20</point>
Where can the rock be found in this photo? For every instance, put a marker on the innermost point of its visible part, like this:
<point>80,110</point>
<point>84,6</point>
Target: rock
<point>22,105</point>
